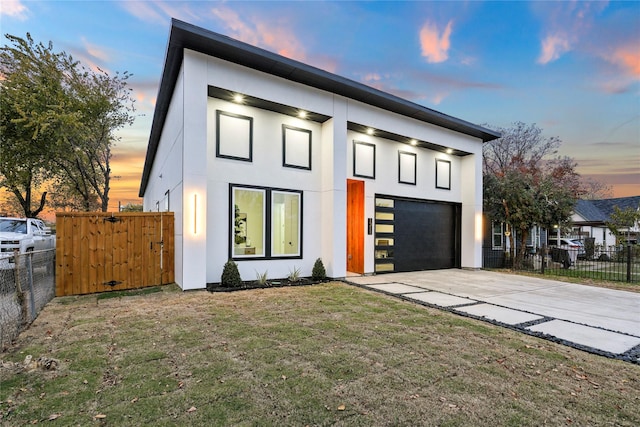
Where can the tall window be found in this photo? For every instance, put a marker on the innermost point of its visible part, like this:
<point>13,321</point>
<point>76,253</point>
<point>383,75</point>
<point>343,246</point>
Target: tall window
<point>248,222</point>
<point>496,233</point>
<point>266,223</point>
<point>285,220</point>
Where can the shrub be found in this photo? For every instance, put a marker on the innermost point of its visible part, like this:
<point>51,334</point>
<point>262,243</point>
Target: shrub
<point>294,275</point>
<point>261,279</point>
<point>318,272</point>
<point>231,275</point>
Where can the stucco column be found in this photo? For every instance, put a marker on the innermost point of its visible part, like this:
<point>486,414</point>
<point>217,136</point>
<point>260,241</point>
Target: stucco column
<point>471,227</point>
<point>194,255</point>
<point>334,191</point>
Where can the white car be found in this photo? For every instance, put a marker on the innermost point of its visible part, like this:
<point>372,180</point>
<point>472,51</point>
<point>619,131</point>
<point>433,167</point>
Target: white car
<point>23,235</point>
<point>574,246</point>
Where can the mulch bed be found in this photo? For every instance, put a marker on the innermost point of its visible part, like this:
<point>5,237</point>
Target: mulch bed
<point>274,283</point>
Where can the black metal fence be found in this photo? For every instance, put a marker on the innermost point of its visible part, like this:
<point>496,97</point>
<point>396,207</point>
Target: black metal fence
<point>621,263</point>
<point>27,284</point>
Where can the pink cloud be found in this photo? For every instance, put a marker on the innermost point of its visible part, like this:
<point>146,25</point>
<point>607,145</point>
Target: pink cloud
<point>565,24</point>
<point>95,51</point>
<point>14,9</point>
<point>627,58</point>
<point>277,38</point>
<point>435,45</point>
<point>553,46</point>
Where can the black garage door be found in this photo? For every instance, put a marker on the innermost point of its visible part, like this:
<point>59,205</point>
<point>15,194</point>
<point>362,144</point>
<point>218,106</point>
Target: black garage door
<point>413,235</point>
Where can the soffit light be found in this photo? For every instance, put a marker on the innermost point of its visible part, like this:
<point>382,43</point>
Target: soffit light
<point>238,98</point>
<point>449,150</point>
<point>302,114</point>
<point>413,142</point>
<point>369,131</point>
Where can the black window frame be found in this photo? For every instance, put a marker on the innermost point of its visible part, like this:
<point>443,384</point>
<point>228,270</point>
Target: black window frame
<point>237,116</point>
<point>284,147</point>
<point>267,223</point>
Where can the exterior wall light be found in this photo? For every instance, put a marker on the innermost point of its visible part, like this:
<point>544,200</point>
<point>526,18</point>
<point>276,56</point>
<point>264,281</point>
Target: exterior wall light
<point>369,131</point>
<point>302,114</point>
<point>238,98</point>
<point>195,214</point>
<point>413,142</point>
<point>449,150</point>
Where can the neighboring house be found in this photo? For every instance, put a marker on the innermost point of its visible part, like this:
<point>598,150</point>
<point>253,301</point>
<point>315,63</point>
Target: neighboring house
<point>496,243</point>
<point>590,219</point>
<point>274,163</point>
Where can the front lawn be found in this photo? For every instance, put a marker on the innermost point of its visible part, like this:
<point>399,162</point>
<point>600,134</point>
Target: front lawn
<point>328,354</point>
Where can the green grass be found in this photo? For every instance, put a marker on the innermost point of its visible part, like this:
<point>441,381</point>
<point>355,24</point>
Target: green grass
<point>327,354</point>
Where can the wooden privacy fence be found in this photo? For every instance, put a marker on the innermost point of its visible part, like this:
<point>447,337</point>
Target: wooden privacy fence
<point>100,251</point>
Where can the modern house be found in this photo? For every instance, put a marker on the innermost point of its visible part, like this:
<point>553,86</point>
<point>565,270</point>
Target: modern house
<point>590,219</point>
<point>275,163</point>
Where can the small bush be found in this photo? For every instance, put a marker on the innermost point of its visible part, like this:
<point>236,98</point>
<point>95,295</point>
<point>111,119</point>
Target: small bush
<point>294,275</point>
<point>261,279</point>
<point>318,272</point>
<point>231,275</point>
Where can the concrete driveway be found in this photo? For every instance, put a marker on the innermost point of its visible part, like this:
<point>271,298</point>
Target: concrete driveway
<point>598,320</point>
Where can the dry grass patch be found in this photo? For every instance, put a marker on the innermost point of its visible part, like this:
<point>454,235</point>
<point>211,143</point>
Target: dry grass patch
<point>327,354</point>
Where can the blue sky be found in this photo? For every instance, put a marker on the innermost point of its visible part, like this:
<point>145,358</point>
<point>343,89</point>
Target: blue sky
<point>573,68</point>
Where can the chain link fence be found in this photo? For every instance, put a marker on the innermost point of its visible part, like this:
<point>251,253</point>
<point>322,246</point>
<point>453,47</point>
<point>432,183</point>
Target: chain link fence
<point>27,284</point>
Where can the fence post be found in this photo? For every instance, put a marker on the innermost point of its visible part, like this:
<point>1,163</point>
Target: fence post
<point>29,266</point>
<point>20,294</point>
<point>543,254</point>
<point>628,263</point>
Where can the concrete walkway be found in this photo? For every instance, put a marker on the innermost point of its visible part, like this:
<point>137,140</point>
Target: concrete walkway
<point>598,320</point>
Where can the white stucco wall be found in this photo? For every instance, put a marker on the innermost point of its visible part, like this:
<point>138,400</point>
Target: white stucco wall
<point>167,172</point>
<point>199,181</point>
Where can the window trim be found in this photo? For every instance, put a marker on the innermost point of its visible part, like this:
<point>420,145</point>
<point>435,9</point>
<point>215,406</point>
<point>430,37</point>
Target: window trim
<point>298,254</point>
<point>218,136</point>
<point>355,159</point>
<point>268,223</point>
<point>415,167</point>
<point>493,234</point>
<point>284,147</point>
<point>440,163</point>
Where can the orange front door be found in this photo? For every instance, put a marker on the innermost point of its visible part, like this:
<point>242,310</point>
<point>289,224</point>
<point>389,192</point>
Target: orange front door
<point>355,226</point>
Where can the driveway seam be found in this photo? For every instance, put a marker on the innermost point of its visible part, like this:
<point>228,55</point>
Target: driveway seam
<point>632,355</point>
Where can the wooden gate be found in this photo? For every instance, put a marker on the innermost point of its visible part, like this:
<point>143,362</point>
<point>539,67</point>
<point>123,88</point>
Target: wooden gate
<point>100,251</point>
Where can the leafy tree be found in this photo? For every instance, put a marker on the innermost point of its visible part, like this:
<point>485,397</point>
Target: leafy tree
<point>58,123</point>
<point>523,186</point>
<point>622,220</point>
<point>106,106</point>
<point>33,116</point>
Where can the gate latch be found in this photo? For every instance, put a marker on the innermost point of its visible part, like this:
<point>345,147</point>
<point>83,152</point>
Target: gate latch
<point>112,283</point>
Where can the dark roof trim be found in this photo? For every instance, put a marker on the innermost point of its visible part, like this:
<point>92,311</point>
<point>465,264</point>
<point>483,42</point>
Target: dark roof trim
<point>188,36</point>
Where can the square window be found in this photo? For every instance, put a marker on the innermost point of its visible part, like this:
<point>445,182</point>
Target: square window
<point>407,167</point>
<point>364,159</point>
<point>234,136</point>
<point>296,147</point>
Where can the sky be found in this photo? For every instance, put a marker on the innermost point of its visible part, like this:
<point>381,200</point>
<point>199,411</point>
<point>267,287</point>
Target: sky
<point>571,68</point>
